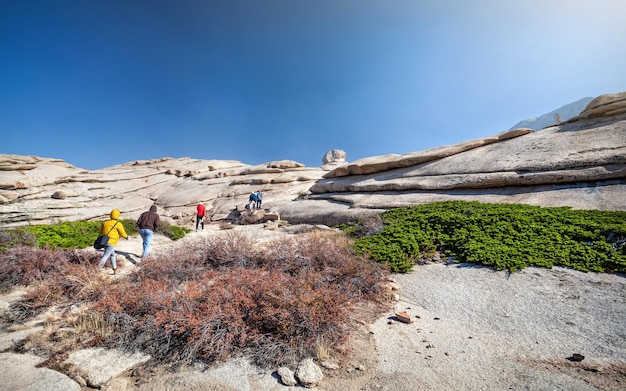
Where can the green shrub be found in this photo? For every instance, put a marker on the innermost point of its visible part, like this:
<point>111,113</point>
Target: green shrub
<point>174,232</point>
<point>503,236</point>
<point>78,234</point>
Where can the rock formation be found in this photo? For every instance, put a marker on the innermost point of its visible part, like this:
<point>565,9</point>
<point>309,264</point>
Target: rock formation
<point>580,163</point>
<point>334,156</point>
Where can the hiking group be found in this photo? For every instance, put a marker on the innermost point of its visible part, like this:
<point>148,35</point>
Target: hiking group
<point>148,223</point>
<point>113,229</point>
<point>255,200</point>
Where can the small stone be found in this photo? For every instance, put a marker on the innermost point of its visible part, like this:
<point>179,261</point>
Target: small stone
<point>59,195</point>
<point>287,376</point>
<point>576,357</point>
<point>329,365</point>
<point>403,317</point>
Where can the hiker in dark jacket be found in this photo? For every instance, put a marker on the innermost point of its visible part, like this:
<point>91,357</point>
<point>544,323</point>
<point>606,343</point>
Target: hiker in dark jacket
<point>252,200</point>
<point>147,223</point>
<point>259,199</point>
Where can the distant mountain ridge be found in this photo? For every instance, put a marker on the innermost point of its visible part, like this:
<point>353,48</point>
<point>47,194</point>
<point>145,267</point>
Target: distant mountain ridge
<point>565,112</point>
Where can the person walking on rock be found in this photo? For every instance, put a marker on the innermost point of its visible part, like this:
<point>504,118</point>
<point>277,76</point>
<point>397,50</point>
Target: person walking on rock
<point>252,201</point>
<point>114,229</point>
<point>200,215</point>
<point>259,199</point>
<point>148,223</point>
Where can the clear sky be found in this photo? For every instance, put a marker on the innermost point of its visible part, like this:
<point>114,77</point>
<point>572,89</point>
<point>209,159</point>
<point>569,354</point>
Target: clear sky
<point>104,82</point>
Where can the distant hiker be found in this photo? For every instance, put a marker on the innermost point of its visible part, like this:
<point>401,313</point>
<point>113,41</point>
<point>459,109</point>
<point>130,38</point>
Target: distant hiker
<point>148,223</point>
<point>252,201</point>
<point>200,215</point>
<point>259,199</point>
<point>114,229</point>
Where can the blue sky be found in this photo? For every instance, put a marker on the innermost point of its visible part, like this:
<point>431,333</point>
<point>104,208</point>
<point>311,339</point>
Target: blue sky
<point>105,82</point>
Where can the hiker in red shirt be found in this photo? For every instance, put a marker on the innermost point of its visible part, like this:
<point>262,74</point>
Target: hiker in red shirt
<point>200,215</point>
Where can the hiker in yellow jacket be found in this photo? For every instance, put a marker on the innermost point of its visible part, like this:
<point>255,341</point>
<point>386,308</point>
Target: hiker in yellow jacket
<point>114,229</point>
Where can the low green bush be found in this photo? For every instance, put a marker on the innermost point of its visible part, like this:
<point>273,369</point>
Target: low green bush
<point>503,236</point>
<point>76,234</point>
<point>174,232</point>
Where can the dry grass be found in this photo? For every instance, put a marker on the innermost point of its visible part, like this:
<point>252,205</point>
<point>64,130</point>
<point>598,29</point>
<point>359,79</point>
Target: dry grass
<point>322,350</point>
<point>86,321</point>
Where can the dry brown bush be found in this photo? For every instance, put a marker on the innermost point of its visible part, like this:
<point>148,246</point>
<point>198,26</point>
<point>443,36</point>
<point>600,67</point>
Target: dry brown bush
<point>233,249</point>
<point>53,276</point>
<point>229,295</point>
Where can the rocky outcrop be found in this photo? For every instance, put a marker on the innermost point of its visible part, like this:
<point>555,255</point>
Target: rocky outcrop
<point>580,163</point>
<point>31,192</point>
<point>382,163</point>
<point>605,106</point>
<point>334,156</point>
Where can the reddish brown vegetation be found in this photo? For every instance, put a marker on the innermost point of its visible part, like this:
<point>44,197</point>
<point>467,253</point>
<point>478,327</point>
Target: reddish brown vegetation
<point>210,301</point>
<point>52,275</point>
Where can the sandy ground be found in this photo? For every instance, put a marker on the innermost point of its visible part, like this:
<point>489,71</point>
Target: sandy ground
<point>479,329</point>
<point>472,329</point>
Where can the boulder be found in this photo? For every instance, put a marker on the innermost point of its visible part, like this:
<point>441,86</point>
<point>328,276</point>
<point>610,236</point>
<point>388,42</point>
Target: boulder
<point>287,376</point>
<point>309,374</point>
<point>334,156</point>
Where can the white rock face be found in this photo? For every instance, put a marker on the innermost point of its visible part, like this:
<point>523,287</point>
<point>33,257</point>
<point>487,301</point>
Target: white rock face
<point>19,372</point>
<point>101,365</point>
<point>580,163</point>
